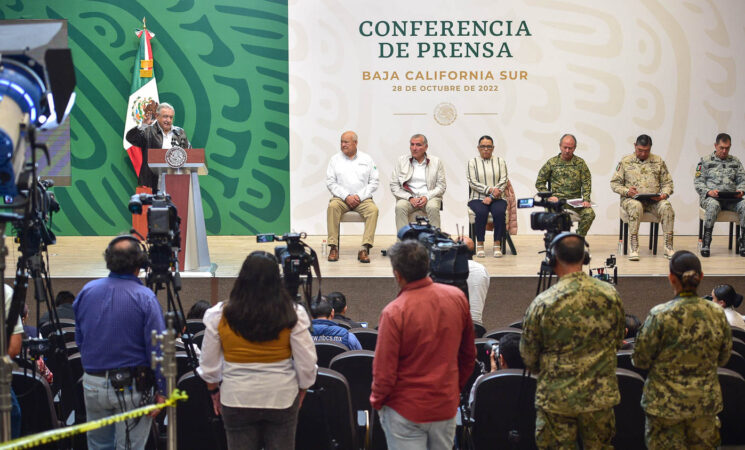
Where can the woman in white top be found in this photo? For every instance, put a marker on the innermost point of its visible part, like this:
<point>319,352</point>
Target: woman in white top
<point>258,358</point>
<point>487,179</point>
<point>726,297</point>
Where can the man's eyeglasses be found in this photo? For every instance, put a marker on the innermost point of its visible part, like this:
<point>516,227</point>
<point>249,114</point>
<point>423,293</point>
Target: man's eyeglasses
<point>486,147</point>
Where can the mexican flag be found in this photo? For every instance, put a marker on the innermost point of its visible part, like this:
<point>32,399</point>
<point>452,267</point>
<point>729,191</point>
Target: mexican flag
<point>144,90</point>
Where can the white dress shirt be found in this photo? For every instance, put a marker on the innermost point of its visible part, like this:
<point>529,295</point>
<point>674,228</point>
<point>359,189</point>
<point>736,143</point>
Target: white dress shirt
<point>258,385</point>
<point>418,182</point>
<point>352,176</point>
<point>478,286</point>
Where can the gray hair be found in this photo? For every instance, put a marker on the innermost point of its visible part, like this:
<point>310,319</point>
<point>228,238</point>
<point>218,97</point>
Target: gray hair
<point>571,136</point>
<point>165,105</point>
<point>417,136</point>
<point>410,259</point>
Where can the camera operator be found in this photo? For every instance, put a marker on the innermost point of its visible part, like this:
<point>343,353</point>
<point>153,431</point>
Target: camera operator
<point>570,336</point>
<point>115,317</point>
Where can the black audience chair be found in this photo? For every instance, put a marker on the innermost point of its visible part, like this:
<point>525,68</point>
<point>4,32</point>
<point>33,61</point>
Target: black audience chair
<point>478,330</point>
<point>326,420</point>
<point>194,326</point>
<point>737,363</point>
<point>367,337</point>
<point>356,366</point>
<point>342,324</point>
<point>738,345</point>
<point>71,400</point>
<point>326,350</point>
<point>518,324</point>
<point>198,338</point>
<point>46,327</point>
<point>504,401</point>
<point>738,333</point>
<point>731,417</point>
<point>71,348</point>
<point>623,361</point>
<point>629,413</point>
<point>37,405</point>
<point>182,364</point>
<point>198,428</point>
<point>499,332</point>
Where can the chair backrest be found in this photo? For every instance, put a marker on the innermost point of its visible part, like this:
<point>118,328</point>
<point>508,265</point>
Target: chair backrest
<point>738,345</point>
<point>194,326</point>
<point>368,338</point>
<point>198,338</point>
<point>356,366</point>
<point>342,324</point>
<point>623,361</point>
<point>327,350</point>
<point>499,332</point>
<point>738,333</point>
<point>478,330</point>
<point>37,404</point>
<point>65,324</point>
<point>71,399</point>
<point>183,364</point>
<point>733,395</point>
<point>503,402</point>
<point>629,413</point>
<point>736,362</point>
<point>198,427</point>
<point>326,420</point>
<point>517,324</point>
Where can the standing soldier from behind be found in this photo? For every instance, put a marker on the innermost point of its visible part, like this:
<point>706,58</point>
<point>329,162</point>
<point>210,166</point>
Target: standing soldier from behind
<point>570,336</point>
<point>644,173</point>
<point>720,172</point>
<point>682,343</point>
<point>568,177</point>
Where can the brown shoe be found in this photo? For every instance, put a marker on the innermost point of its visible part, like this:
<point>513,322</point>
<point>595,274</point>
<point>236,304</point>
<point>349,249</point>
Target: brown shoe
<point>334,254</point>
<point>363,257</point>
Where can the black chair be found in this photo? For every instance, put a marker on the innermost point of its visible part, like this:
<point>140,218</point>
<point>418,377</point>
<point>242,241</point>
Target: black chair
<point>71,348</point>
<point>37,404</point>
<point>733,395</point>
<point>198,427</point>
<point>738,333</point>
<point>326,420</point>
<point>504,401</point>
<point>518,324</point>
<point>623,361</point>
<point>342,324</point>
<point>367,337</point>
<point>736,363</point>
<point>499,332</point>
<point>478,330</point>
<point>738,345</point>
<point>629,413</point>
<point>194,326</point>
<point>46,327</point>
<point>198,338</point>
<point>183,365</point>
<point>326,350</point>
<point>356,366</point>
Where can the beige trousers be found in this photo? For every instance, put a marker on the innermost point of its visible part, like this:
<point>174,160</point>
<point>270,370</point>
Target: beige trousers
<point>367,210</point>
<point>431,210</point>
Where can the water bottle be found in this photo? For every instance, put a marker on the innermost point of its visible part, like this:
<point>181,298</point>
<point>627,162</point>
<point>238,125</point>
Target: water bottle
<point>620,246</point>
<point>323,247</point>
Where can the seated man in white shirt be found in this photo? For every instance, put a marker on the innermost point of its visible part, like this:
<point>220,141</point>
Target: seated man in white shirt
<point>418,183</point>
<point>351,177</point>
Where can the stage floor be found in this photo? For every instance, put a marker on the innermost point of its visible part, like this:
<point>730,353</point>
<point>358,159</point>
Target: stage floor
<point>82,257</point>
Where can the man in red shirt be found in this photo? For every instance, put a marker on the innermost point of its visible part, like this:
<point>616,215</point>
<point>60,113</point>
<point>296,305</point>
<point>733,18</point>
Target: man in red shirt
<point>424,355</point>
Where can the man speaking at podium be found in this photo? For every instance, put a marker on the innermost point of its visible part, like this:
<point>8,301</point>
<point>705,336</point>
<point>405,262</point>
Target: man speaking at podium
<point>158,134</point>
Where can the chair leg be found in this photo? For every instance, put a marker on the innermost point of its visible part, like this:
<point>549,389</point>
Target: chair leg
<point>737,238</point>
<point>731,227</point>
<point>625,238</point>
<point>656,236</point>
<point>509,242</point>
<point>651,234</point>
<point>471,233</point>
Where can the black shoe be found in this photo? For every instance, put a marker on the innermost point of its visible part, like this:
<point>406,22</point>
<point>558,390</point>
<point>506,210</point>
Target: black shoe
<point>706,244</point>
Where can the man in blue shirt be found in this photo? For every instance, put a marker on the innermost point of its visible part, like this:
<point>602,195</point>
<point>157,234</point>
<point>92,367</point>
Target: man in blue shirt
<point>115,317</point>
<point>325,329</point>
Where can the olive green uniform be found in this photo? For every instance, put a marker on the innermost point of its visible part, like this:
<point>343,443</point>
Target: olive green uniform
<point>569,180</point>
<point>648,177</point>
<point>682,343</point>
<point>571,333</point>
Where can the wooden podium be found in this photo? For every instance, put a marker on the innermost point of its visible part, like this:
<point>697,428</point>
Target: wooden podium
<point>182,184</point>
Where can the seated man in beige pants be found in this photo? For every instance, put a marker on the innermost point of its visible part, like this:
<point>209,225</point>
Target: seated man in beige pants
<point>351,177</point>
<point>418,183</point>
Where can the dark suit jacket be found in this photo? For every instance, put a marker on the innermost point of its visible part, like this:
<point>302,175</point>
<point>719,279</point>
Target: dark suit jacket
<point>152,137</point>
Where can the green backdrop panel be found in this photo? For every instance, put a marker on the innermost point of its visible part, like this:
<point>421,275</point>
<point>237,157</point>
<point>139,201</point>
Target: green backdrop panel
<point>223,65</point>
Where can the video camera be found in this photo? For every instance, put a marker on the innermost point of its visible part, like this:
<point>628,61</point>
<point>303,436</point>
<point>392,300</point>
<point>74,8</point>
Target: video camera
<point>604,273</point>
<point>448,259</point>
<point>553,220</point>
<point>163,229</point>
<point>296,259</point>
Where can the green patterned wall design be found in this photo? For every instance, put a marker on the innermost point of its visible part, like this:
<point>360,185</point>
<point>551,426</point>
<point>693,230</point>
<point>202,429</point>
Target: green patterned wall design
<point>222,64</point>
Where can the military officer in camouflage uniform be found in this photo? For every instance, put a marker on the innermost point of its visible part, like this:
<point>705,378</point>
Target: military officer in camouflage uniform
<point>716,172</point>
<point>568,177</point>
<point>682,343</point>
<point>571,333</point>
<point>644,173</point>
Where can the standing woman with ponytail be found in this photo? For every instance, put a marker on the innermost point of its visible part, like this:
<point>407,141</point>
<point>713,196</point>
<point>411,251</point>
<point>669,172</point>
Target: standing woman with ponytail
<point>258,358</point>
<point>682,343</point>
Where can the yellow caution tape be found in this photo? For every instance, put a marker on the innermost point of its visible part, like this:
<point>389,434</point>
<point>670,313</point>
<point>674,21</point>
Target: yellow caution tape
<point>34,440</point>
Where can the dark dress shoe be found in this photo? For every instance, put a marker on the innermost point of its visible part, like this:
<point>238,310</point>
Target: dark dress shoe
<point>334,254</point>
<point>363,257</point>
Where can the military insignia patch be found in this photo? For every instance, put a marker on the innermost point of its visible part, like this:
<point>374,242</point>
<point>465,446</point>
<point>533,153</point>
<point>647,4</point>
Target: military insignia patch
<point>618,167</point>
<point>698,170</point>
